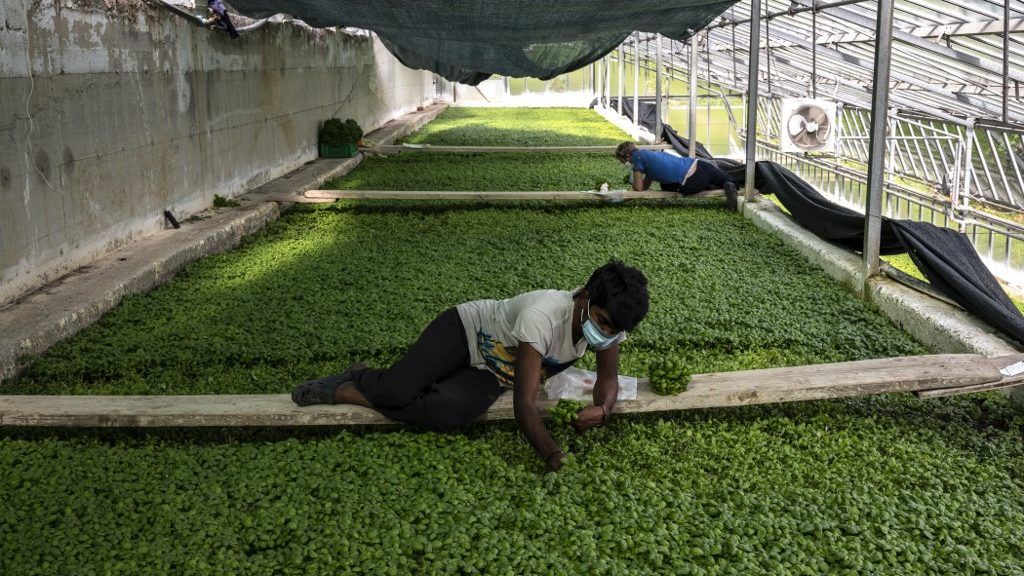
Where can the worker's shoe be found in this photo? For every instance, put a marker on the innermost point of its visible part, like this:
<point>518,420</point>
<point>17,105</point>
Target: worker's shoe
<point>731,196</point>
<point>322,390</point>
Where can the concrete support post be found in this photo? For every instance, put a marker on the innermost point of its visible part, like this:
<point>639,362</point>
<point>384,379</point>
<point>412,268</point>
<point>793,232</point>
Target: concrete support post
<point>876,155</point>
<point>755,53</point>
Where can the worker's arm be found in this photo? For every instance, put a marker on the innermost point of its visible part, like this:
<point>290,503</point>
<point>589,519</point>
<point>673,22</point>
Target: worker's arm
<point>639,182</point>
<point>606,390</point>
<point>524,403</point>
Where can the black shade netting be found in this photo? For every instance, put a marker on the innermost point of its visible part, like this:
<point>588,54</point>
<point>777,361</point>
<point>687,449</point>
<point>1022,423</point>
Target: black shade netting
<point>469,40</point>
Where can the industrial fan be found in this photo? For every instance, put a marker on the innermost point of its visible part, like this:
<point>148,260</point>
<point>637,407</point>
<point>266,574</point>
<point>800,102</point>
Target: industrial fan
<point>808,125</point>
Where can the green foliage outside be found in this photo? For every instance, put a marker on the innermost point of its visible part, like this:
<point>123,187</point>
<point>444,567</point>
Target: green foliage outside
<point>518,127</point>
<point>885,485</point>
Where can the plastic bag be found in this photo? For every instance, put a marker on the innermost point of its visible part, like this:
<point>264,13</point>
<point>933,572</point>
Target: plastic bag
<point>578,384</point>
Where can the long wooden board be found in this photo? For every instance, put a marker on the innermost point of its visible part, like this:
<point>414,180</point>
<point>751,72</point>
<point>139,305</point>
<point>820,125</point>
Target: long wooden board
<point>1003,382</point>
<point>726,389</point>
<point>429,148</point>
<point>1007,382</point>
<point>328,196</point>
<point>497,196</point>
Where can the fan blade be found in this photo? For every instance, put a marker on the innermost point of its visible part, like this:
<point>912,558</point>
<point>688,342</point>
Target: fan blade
<point>817,114</point>
<point>795,125</point>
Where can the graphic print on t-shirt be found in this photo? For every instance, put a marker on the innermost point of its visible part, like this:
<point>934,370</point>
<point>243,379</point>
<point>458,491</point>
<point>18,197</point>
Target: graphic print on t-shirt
<point>502,361</point>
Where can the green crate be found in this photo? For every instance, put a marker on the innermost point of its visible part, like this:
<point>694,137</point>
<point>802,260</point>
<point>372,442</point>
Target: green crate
<point>338,151</point>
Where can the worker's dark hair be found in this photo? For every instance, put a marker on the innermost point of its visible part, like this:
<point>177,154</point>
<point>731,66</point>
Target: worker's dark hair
<point>623,150</point>
<point>622,291</point>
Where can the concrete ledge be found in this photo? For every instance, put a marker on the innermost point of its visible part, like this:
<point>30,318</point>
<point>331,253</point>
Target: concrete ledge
<point>36,322</point>
<point>938,325</point>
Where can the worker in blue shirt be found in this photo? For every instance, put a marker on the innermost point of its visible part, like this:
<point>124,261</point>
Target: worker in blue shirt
<point>675,173</point>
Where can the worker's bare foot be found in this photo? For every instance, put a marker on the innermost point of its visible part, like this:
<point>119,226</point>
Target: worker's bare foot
<point>347,393</point>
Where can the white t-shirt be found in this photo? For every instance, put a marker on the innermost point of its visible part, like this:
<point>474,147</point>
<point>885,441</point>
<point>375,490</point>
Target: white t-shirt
<point>494,329</point>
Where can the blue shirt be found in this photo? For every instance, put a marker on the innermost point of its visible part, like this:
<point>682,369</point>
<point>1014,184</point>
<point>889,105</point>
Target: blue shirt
<point>661,166</point>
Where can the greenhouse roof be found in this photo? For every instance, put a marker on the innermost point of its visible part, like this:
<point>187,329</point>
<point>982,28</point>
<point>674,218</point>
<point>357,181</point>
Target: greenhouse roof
<point>947,56</point>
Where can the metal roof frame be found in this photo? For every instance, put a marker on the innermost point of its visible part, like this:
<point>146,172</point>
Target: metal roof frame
<point>946,56</point>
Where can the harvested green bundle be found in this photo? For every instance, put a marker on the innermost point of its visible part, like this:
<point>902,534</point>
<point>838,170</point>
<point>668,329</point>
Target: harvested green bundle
<point>334,132</point>
<point>566,412</point>
<point>668,377</point>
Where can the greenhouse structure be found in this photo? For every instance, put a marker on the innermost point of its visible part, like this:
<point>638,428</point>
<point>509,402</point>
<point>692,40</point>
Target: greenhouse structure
<point>669,287</point>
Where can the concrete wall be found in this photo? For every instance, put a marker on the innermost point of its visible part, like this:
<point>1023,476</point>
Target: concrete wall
<point>111,115</point>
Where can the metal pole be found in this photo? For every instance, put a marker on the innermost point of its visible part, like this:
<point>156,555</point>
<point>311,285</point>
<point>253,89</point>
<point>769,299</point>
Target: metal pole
<point>692,122</point>
<point>668,76</point>
<point>707,97</point>
<point>622,74</point>
<point>755,53</point>
<point>608,80</point>
<point>814,49</point>
<point>657,90</point>
<point>968,164</point>
<point>876,157</point>
<point>636,79</point>
<point>768,46</point>
<point>735,78</point>
<point>789,12</point>
<point>1006,58</point>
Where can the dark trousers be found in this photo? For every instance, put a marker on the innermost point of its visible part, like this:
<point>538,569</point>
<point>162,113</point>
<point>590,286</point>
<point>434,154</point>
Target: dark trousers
<point>433,386</point>
<point>707,176</point>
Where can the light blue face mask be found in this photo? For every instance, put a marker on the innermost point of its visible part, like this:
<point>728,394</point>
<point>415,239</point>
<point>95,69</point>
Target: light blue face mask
<point>593,334</point>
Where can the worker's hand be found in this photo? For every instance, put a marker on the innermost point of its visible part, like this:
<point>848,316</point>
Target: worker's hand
<point>589,417</point>
<point>554,461</point>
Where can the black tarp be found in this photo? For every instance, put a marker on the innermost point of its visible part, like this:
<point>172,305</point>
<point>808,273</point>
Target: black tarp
<point>946,257</point>
<point>951,264</point>
<point>813,211</point>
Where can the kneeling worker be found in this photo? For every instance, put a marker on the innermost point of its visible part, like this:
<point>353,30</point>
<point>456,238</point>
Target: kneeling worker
<point>675,173</point>
<point>473,352</point>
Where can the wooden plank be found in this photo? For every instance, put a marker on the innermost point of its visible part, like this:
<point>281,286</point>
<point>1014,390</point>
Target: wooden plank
<point>725,389</point>
<point>495,196</point>
<point>1005,382</point>
<point>298,199</point>
<point>398,148</point>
